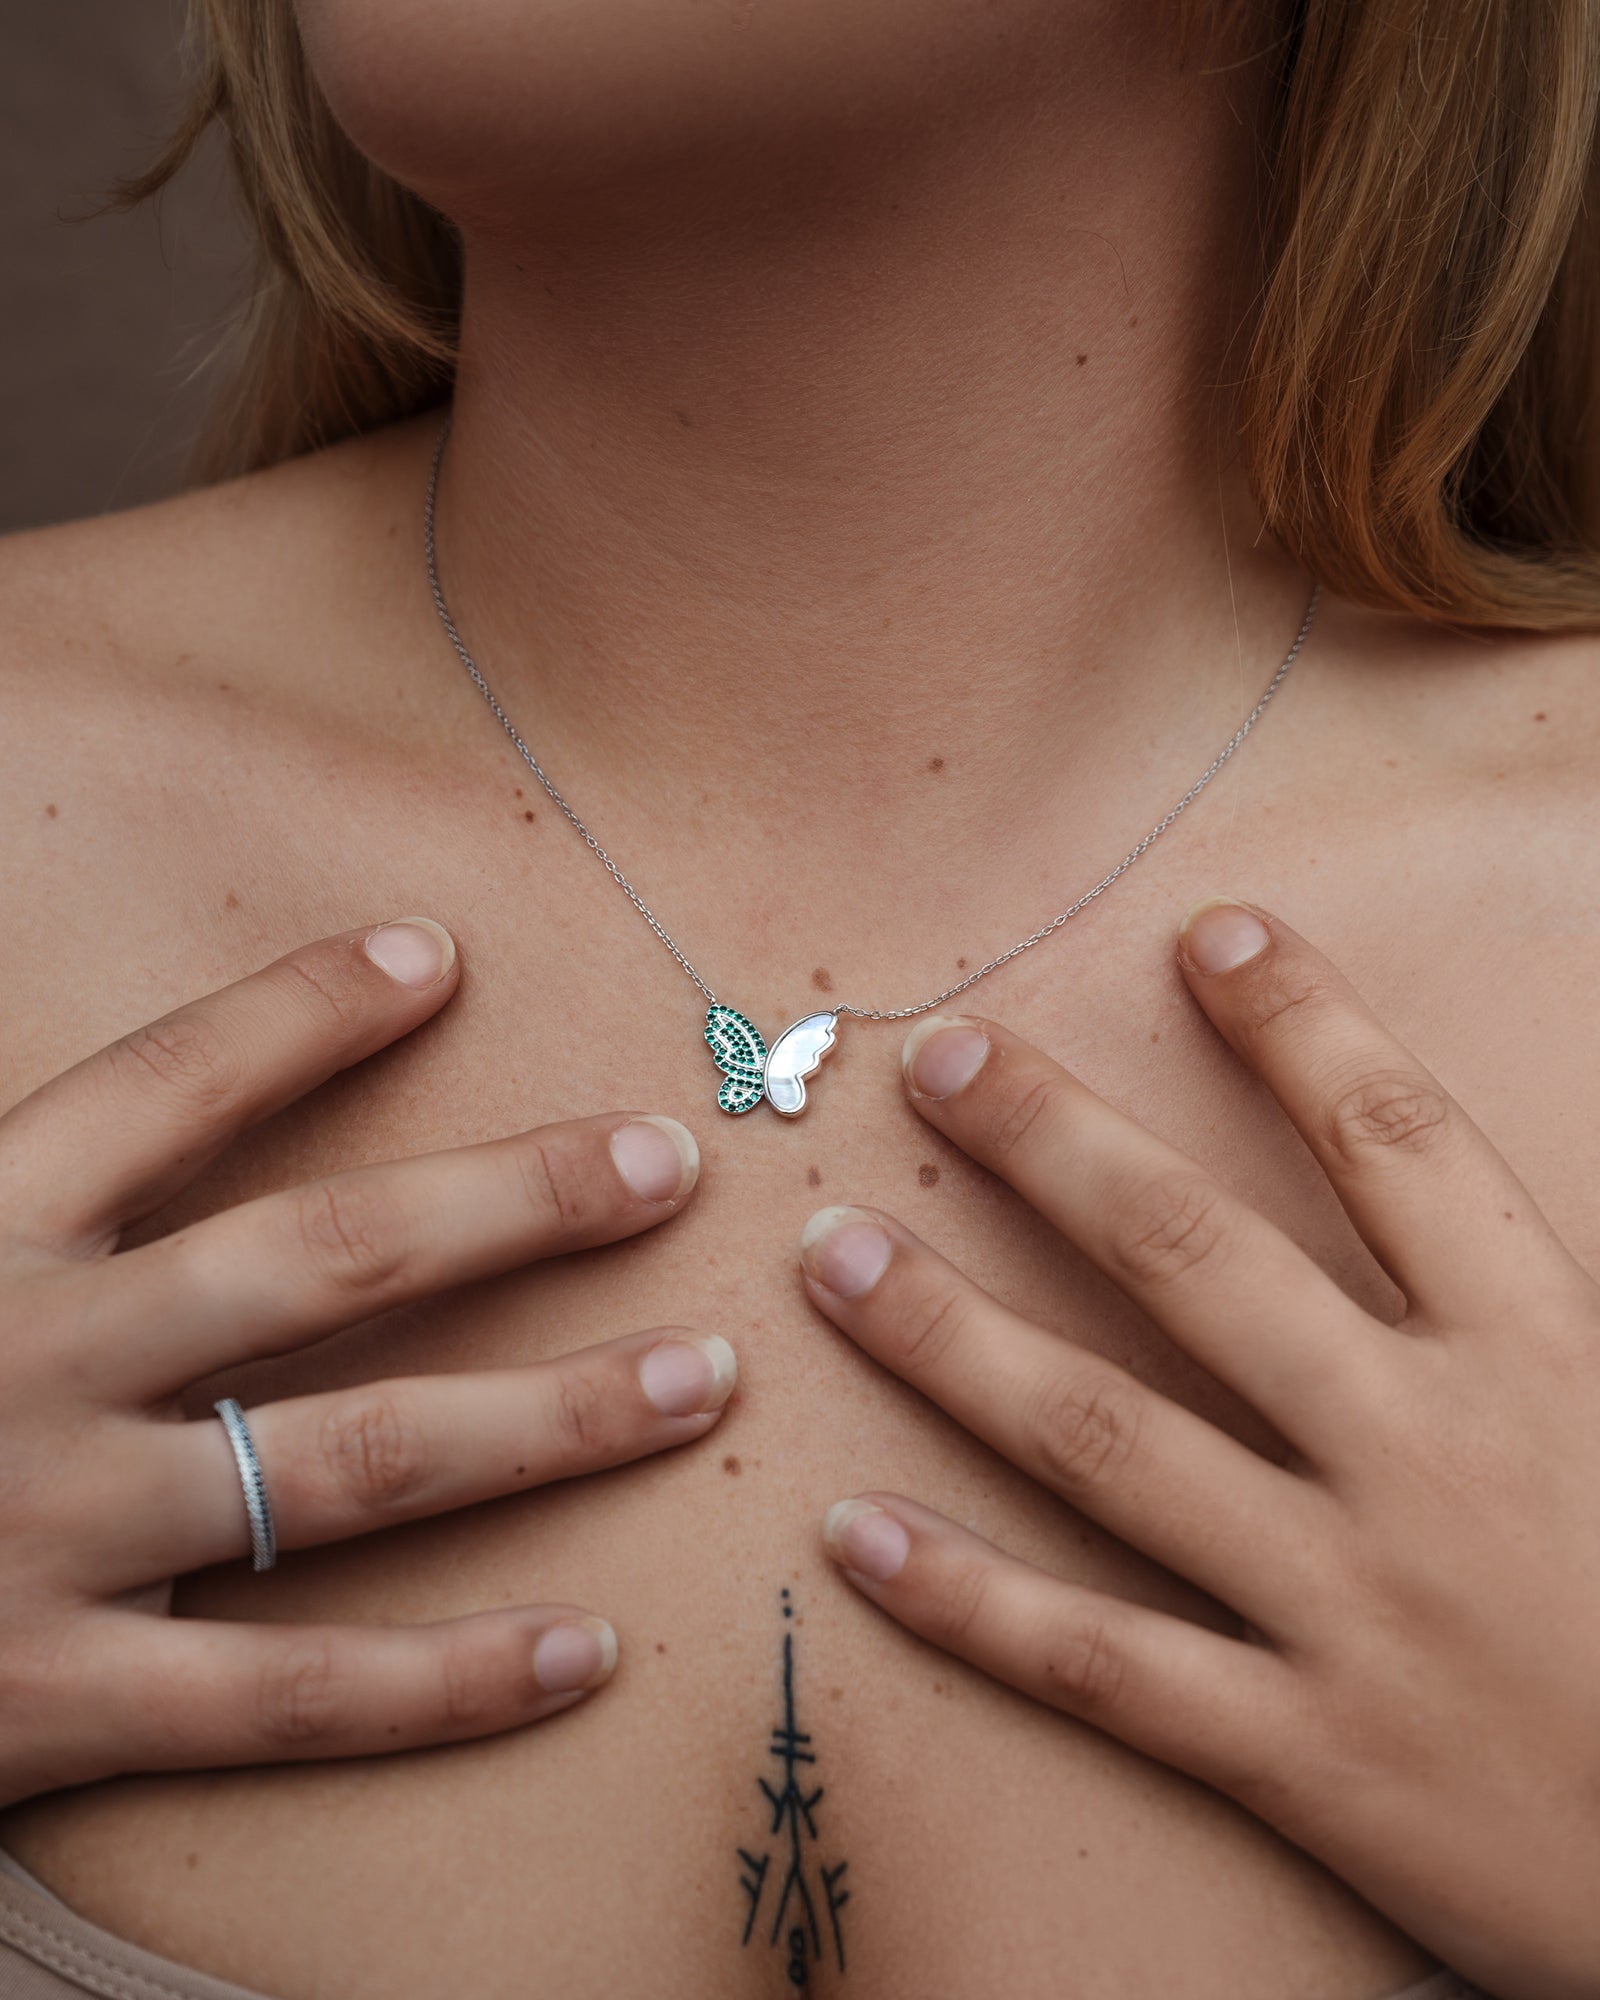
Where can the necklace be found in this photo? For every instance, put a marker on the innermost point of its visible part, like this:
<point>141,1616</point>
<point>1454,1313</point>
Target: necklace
<point>752,1071</point>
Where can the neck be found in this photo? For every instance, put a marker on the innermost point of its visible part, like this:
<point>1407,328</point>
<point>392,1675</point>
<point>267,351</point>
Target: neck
<point>890,477</point>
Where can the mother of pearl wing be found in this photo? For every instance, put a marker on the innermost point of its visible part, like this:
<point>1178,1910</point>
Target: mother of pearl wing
<point>794,1056</point>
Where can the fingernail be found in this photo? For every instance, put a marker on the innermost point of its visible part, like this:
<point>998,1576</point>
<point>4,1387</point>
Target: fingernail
<point>689,1374</point>
<point>1218,934</point>
<point>416,951</point>
<point>657,1157</point>
<point>845,1250</point>
<point>863,1537</point>
<point>941,1055</point>
<point>580,1654</point>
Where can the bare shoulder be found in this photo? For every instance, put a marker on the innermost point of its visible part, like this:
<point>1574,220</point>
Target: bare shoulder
<point>1484,700</point>
<point>135,603</point>
<point>117,632</point>
<point>153,662</point>
<point>1480,746</point>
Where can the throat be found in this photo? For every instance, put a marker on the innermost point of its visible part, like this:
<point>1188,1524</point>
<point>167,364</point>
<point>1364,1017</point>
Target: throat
<point>906,483</point>
<point>876,549</point>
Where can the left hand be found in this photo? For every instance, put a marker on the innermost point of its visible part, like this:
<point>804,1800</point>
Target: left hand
<point>1414,1697</point>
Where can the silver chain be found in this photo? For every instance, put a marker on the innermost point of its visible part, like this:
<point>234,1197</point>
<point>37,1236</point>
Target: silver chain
<point>842,1007</point>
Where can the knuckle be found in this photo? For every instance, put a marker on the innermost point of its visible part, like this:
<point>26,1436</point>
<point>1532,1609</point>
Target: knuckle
<point>963,1595</point>
<point>1167,1227</point>
<point>376,1450</point>
<point>1083,1664</point>
<point>302,1696</point>
<point>471,1687</point>
<point>1278,991</point>
<point>188,1057</point>
<point>930,1325</point>
<point>331,986</point>
<point>1387,1111</point>
<point>579,1415</point>
<point>352,1231</point>
<point>552,1188</point>
<point>1040,1103</point>
<point>1082,1429</point>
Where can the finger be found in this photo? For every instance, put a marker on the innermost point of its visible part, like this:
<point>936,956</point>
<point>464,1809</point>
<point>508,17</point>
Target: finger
<point>158,1694</point>
<point>1433,1200</point>
<point>113,1137</point>
<point>348,1461</point>
<point>1212,1706</point>
<point>1212,1273</point>
<point>1155,1474</point>
<point>288,1268</point>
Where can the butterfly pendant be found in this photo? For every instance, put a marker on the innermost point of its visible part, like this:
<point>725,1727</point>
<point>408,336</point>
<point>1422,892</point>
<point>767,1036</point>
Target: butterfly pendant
<point>752,1072</point>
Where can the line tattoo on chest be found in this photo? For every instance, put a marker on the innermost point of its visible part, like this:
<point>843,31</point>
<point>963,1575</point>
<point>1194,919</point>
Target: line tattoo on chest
<point>791,1893</point>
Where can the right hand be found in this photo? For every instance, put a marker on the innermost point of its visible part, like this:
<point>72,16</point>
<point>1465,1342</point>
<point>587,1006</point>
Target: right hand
<point>106,1494</point>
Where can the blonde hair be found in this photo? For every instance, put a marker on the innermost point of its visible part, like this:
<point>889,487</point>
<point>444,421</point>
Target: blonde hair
<point>1417,405</point>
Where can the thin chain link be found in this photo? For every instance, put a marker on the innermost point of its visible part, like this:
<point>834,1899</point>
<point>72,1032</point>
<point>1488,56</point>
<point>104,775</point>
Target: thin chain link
<point>843,1007</point>
<point>522,749</point>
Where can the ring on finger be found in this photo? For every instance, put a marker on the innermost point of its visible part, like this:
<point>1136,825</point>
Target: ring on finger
<point>263,1538</point>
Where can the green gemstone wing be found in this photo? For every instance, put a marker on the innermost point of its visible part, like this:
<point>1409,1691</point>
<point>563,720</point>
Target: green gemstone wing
<point>741,1053</point>
<point>739,1093</point>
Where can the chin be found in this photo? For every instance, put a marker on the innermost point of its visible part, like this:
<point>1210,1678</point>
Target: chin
<point>493,101</point>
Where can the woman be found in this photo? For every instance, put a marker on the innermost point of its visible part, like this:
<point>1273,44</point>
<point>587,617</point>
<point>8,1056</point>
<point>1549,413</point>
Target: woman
<point>891,449</point>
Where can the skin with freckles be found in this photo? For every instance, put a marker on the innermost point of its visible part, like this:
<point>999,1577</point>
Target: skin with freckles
<point>868,628</point>
<point>1423,1486</point>
<point>563,1012</point>
<point>99,1679</point>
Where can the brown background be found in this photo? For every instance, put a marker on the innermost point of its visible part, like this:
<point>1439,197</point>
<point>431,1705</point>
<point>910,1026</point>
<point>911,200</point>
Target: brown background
<point>104,323</point>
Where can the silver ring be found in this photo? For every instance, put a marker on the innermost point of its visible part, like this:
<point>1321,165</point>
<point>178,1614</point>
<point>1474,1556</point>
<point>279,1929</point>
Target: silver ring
<point>263,1540</point>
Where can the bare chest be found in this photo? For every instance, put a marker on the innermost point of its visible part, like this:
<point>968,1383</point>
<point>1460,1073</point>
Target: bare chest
<point>568,1006</point>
